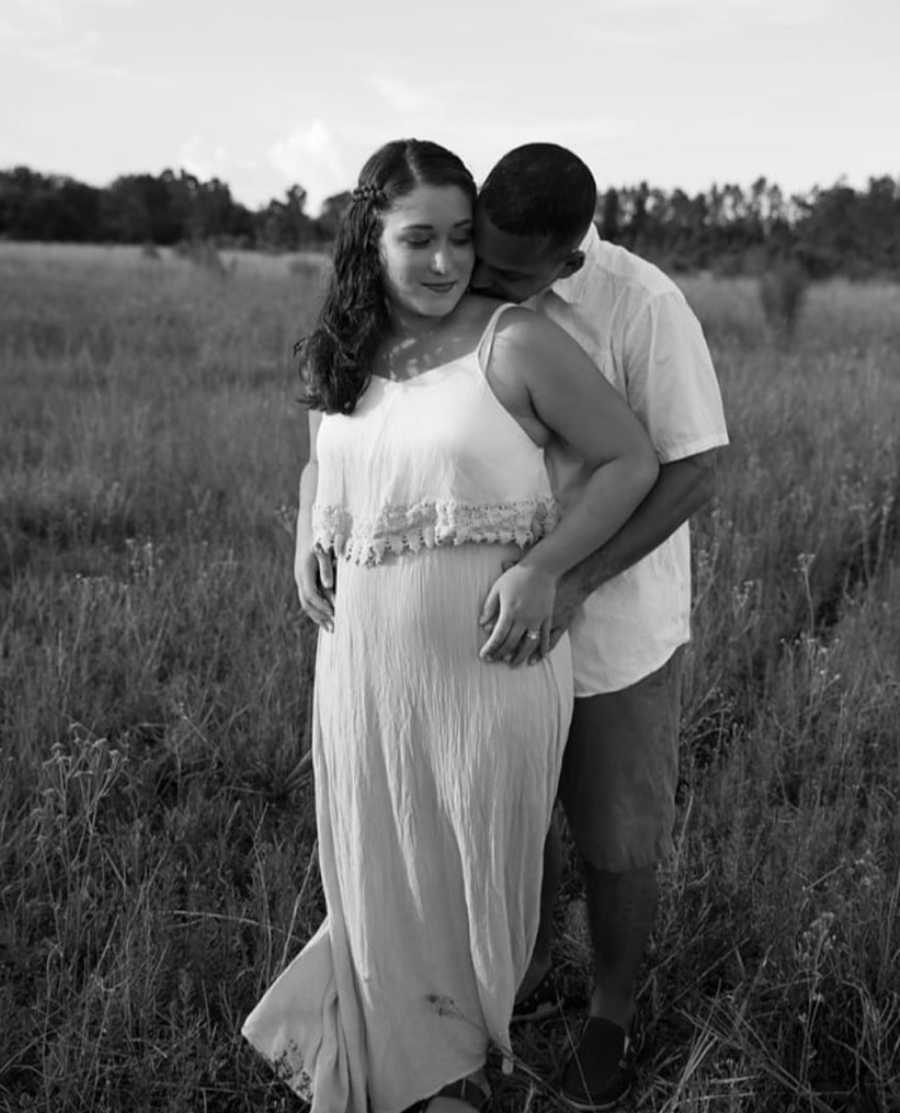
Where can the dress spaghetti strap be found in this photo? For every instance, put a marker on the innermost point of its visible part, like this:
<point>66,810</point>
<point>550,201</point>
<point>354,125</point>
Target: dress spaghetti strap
<point>486,343</point>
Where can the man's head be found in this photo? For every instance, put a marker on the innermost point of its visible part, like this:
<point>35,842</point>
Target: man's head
<point>532,213</point>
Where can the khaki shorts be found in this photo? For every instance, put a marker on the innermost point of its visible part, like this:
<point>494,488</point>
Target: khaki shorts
<point>620,771</point>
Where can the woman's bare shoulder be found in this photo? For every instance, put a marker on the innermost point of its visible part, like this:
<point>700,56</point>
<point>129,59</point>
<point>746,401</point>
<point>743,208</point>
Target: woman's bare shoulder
<point>477,309</point>
<point>523,329</point>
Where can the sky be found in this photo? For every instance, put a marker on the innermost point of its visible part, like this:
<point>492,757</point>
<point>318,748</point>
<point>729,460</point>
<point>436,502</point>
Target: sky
<point>264,95</point>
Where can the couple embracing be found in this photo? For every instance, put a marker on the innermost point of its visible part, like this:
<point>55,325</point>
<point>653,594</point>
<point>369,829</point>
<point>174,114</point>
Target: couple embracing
<point>492,538</point>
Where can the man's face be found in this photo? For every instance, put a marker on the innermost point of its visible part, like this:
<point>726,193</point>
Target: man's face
<point>513,267</point>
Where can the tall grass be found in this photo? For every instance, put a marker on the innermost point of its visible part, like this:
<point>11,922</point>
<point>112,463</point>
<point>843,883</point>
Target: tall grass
<point>157,837</point>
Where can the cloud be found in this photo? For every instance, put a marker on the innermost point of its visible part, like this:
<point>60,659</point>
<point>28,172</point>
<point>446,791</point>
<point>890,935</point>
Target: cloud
<point>401,95</point>
<point>311,156</point>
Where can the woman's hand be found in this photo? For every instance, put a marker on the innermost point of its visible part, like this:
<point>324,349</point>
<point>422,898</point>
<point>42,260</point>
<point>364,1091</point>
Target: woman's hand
<point>570,596</point>
<point>519,606</point>
<point>314,576</point>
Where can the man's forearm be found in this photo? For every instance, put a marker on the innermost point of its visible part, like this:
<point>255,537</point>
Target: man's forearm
<point>681,489</point>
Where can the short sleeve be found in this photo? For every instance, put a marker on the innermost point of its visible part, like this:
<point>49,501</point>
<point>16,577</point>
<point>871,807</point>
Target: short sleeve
<point>670,379</point>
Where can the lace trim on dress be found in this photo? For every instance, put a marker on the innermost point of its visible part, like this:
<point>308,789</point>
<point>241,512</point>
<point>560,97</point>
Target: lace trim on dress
<point>428,524</point>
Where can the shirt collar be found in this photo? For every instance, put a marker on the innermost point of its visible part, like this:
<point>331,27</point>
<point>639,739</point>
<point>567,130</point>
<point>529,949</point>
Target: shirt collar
<point>573,288</point>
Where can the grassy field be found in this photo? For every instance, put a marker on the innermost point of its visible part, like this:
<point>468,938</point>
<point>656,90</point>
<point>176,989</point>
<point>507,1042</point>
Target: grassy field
<point>157,839</point>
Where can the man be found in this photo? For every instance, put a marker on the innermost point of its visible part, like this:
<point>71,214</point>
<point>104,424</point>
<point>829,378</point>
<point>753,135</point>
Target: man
<point>627,607</point>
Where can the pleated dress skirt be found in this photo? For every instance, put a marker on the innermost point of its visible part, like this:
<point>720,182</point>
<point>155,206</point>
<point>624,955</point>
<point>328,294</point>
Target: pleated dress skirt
<point>435,779</point>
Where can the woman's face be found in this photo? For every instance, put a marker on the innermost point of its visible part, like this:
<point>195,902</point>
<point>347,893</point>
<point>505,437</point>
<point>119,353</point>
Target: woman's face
<point>426,250</point>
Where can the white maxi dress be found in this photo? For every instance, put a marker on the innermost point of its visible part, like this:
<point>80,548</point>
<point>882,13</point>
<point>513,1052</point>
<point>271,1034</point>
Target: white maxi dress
<point>435,772</point>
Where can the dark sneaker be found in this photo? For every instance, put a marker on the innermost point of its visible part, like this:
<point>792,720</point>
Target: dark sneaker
<point>599,1074</point>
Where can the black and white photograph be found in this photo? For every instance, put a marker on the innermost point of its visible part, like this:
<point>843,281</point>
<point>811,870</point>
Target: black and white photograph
<point>450,564</point>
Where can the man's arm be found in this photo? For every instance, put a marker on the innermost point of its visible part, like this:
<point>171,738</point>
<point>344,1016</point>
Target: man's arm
<point>682,487</point>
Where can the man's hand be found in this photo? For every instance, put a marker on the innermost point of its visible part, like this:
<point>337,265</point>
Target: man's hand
<point>314,576</point>
<point>682,488</point>
<point>517,610</point>
<point>570,594</point>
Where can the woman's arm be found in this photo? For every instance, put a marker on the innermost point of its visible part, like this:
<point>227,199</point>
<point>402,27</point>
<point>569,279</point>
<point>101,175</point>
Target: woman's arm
<point>313,571</point>
<point>537,365</point>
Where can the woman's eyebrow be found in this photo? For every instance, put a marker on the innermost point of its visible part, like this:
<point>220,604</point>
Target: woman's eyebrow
<point>429,227</point>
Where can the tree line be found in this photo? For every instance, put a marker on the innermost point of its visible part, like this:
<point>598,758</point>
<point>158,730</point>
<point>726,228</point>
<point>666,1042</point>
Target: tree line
<point>833,230</point>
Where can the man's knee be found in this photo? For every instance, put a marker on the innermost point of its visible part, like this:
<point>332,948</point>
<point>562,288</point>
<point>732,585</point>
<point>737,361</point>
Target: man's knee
<point>624,847</point>
<point>619,879</point>
<point>620,773</point>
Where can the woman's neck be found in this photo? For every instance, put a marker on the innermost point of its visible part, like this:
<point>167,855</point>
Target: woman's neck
<point>414,327</point>
<point>415,343</point>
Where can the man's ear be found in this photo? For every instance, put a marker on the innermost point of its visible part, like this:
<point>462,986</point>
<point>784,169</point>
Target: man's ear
<point>574,262</point>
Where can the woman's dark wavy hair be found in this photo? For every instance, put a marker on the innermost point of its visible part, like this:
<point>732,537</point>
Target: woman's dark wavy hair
<point>336,358</point>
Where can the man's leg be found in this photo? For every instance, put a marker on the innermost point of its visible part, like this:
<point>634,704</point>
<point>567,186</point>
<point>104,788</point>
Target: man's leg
<point>621,908</point>
<point>618,790</point>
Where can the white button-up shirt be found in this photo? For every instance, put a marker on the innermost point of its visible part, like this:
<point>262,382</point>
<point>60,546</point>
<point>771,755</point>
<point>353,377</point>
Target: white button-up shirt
<point>638,329</point>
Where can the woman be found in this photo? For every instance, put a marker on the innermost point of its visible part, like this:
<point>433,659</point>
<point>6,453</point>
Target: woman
<point>435,770</point>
